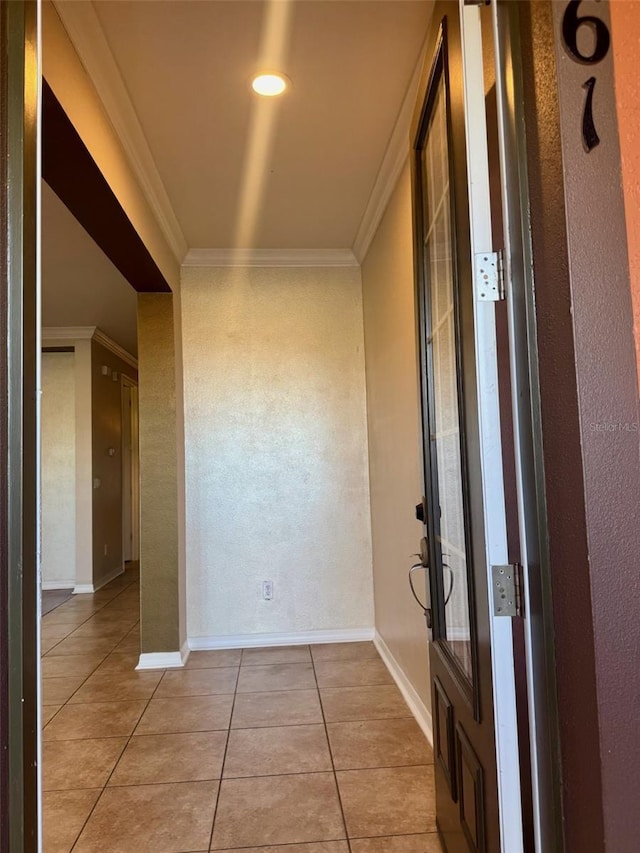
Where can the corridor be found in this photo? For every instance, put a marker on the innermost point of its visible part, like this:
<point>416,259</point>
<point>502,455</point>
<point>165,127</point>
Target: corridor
<point>293,749</point>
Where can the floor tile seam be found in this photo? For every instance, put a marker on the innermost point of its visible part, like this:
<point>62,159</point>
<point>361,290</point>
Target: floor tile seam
<point>117,761</point>
<point>244,649</point>
<point>276,690</point>
<point>89,617</point>
<point>224,756</point>
<point>68,701</point>
<point>272,663</point>
<point>388,767</point>
<point>395,835</point>
<point>139,785</point>
<point>276,726</point>
<point>72,654</point>
<point>326,772</point>
<point>335,777</point>
<point>286,844</point>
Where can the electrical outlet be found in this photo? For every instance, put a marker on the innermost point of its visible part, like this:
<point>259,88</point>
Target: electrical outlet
<point>267,590</point>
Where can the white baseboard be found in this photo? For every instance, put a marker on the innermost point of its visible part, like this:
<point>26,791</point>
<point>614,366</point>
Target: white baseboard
<point>87,588</point>
<point>163,660</point>
<point>415,703</point>
<point>296,638</point>
<point>47,585</point>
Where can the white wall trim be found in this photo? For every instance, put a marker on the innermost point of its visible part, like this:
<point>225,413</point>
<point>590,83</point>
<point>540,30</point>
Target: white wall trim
<point>85,31</point>
<point>63,584</point>
<point>67,333</point>
<point>395,157</point>
<point>270,258</point>
<point>87,333</point>
<point>161,660</point>
<point>296,638</point>
<point>84,589</point>
<point>411,697</point>
<point>104,340</point>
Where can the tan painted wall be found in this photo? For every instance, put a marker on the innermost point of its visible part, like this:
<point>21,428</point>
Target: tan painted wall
<point>159,532</point>
<point>276,451</point>
<point>394,436</point>
<point>58,431</point>
<point>72,86</point>
<point>106,433</point>
<point>625,31</point>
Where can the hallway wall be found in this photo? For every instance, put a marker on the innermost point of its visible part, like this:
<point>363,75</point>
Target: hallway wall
<point>106,436</point>
<point>276,451</point>
<point>394,435</point>
<point>58,419</point>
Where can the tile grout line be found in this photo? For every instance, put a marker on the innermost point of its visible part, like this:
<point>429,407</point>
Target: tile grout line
<point>122,751</point>
<point>224,757</point>
<point>103,787</point>
<point>333,766</point>
<point>84,681</point>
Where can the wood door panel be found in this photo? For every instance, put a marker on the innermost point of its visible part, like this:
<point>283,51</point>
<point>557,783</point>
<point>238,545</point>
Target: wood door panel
<point>443,738</point>
<point>471,793</point>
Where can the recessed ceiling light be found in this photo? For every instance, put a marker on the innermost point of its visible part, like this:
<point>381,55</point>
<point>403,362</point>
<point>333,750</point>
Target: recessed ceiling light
<point>269,85</point>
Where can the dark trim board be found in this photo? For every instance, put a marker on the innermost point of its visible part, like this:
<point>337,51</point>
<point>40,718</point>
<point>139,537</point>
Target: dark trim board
<point>74,176</point>
<point>58,349</point>
<point>19,588</point>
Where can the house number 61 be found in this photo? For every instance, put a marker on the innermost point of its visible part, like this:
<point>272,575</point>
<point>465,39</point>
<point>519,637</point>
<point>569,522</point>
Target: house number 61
<point>571,23</point>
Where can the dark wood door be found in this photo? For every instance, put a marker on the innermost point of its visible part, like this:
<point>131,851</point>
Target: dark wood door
<point>454,545</point>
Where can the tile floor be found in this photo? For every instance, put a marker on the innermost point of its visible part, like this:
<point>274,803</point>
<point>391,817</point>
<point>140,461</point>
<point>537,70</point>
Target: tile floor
<point>290,750</point>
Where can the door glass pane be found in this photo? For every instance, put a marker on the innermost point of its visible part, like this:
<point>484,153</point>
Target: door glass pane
<point>445,415</point>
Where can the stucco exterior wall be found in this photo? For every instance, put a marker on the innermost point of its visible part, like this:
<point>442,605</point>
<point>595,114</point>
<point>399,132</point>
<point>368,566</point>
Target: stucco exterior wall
<point>625,41</point>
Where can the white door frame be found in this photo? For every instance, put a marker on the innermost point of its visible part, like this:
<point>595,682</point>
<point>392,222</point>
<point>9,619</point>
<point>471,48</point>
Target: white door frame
<point>495,524</point>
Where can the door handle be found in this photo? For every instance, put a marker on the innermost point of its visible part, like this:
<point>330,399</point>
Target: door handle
<point>423,565</point>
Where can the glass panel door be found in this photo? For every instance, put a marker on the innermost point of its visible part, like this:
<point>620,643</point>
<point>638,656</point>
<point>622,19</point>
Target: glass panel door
<point>451,561</point>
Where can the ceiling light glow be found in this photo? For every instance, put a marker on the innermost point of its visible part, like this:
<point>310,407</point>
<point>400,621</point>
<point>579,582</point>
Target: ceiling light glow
<point>269,85</point>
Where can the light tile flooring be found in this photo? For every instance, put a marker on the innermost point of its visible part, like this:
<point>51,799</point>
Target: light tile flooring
<point>297,750</point>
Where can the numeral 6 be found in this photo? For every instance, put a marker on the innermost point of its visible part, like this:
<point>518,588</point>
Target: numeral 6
<point>571,23</point>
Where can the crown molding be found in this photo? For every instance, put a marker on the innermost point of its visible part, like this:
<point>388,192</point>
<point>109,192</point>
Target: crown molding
<point>88,333</point>
<point>104,340</point>
<point>85,31</point>
<point>391,167</point>
<point>68,333</point>
<point>270,258</point>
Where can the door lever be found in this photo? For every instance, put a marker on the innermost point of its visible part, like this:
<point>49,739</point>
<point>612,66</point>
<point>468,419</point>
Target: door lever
<point>426,610</point>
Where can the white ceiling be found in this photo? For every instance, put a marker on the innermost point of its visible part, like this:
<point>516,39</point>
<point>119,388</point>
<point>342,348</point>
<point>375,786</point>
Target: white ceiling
<point>293,173</point>
<point>80,285</point>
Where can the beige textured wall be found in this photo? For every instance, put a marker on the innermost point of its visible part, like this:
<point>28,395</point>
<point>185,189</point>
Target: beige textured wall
<point>276,451</point>
<point>72,86</point>
<point>58,431</point>
<point>159,532</point>
<point>106,405</point>
<point>394,434</point>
